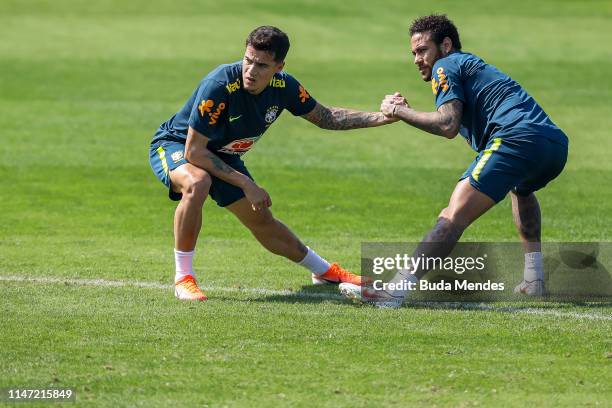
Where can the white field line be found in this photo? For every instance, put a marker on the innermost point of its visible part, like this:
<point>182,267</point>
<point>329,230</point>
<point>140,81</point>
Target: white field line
<point>300,294</point>
<point>510,309</point>
<point>155,285</point>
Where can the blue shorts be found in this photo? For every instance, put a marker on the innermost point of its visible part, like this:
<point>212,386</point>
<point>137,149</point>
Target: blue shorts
<point>166,156</point>
<point>522,165</point>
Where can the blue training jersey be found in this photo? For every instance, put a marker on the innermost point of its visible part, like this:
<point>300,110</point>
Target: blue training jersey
<point>494,105</point>
<point>229,116</point>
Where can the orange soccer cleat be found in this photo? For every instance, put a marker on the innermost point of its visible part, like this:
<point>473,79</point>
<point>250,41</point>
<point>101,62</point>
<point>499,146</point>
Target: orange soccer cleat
<point>187,289</point>
<point>336,275</point>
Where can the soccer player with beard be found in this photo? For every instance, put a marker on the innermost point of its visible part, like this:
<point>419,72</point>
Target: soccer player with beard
<point>520,150</point>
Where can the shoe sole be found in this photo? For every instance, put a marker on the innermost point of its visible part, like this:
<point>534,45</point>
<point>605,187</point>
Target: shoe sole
<point>199,299</point>
<point>523,291</point>
<point>350,294</point>
<point>317,281</point>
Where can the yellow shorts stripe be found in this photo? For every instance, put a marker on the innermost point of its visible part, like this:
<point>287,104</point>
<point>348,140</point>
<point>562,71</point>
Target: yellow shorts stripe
<point>485,158</point>
<point>162,157</point>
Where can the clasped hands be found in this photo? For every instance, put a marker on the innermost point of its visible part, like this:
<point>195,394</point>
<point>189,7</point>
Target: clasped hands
<point>391,103</point>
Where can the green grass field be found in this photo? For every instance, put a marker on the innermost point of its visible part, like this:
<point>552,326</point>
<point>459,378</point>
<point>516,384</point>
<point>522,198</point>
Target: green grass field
<point>86,242</point>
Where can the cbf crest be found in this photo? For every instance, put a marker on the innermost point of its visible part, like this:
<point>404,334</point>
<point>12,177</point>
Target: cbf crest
<point>271,114</point>
<point>177,156</point>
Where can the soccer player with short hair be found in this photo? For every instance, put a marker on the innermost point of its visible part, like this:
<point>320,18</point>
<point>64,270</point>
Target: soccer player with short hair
<point>520,149</point>
<point>197,153</point>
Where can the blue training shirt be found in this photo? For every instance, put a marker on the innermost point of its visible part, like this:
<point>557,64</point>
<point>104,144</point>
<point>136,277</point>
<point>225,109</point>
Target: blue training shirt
<point>494,105</point>
<point>229,116</point>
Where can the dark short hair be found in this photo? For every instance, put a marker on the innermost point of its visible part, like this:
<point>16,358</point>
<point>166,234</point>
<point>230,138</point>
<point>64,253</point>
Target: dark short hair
<point>271,39</point>
<point>439,26</point>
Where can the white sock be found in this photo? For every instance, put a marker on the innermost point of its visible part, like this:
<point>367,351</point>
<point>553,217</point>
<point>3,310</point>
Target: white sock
<point>405,277</point>
<point>534,268</point>
<point>314,263</point>
<point>184,264</point>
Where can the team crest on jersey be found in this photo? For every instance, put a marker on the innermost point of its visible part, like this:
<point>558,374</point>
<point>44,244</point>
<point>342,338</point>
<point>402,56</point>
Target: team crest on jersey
<point>271,114</point>
<point>442,82</point>
<point>177,156</point>
<point>240,146</point>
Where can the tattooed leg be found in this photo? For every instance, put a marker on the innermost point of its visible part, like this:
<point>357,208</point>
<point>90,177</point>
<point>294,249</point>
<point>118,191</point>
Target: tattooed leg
<point>439,242</point>
<point>527,218</point>
<point>465,206</point>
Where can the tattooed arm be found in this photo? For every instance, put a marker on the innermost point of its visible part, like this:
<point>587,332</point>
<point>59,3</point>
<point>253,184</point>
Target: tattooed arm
<point>198,155</point>
<point>443,122</point>
<point>343,119</point>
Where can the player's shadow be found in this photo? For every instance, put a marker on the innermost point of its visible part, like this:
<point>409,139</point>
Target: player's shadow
<point>307,294</point>
<point>577,275</point>
<point>574,276</point>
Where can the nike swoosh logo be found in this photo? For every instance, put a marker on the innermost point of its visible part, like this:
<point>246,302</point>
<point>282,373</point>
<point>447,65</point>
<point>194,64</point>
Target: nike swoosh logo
<point>231,119</point>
